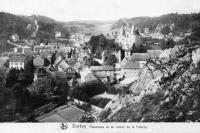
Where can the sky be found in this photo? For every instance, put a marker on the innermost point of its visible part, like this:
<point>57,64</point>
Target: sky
<point>73,10</point>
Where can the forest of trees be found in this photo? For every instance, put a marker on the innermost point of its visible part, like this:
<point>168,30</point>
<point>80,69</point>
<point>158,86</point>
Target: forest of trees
<point>182,22</point>
<point>13,24</point>
<point>99,43</point>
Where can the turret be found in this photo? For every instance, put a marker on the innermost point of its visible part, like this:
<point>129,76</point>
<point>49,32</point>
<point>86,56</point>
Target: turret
<point>133,28</point>
<point>122,31</point>
<point>136,32</point>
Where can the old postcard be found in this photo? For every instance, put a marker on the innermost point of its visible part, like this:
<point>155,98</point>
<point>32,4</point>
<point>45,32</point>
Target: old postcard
<point>100,65</point>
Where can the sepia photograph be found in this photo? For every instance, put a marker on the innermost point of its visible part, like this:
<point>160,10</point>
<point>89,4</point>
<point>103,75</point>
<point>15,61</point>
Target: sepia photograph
<point>99,61</point>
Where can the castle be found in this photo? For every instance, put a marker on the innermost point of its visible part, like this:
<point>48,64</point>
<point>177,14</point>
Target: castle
<point>127,39</point>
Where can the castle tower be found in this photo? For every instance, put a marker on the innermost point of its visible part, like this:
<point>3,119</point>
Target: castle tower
<point>135,38</point>
<point>132,29</point>
<point>122,31</point>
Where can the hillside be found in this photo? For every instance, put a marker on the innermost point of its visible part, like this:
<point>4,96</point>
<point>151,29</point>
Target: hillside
<point>182,22</point>
<point>10,24</point>
<point>24,26</point>
<point>167,89</point>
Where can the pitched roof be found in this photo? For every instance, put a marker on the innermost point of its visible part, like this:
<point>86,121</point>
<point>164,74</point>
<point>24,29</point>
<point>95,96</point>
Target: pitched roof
<point>101,75</point>
<point>77,66</point>
<point>124,61</point>
<point>134,61</point>
<point>19,58</point>
<point>132,64</point>
<point>139,56</point>
<point>66,113</point>
<point>38,61</point>
<point>91,77</point>
<point>155,53</point>
<point>102,68</point>
<point>63,65</point>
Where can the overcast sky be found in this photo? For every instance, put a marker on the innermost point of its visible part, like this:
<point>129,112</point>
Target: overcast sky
<point>68,10</point>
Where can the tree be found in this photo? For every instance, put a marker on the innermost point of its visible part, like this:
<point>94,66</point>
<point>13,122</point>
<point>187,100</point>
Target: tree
<point>87,90</point>
<point>169,43</point>
<point>29,70</point>
<point>11,78</point>
<point>99,43</point>
<point>102,41</point>
<point>140,49</point>
<point>165,30</point>
<point>195,28</point>
<point>110,60</point>
<point>90,62</point>
<point>22,97</point>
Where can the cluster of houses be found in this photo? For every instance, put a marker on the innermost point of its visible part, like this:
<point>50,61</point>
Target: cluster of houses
<point>70,60</point>
<point>55,63</point>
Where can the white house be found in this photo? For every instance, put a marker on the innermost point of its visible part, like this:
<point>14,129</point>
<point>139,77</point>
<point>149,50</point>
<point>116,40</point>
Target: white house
<point>17,62</point>
<point>105,70</point>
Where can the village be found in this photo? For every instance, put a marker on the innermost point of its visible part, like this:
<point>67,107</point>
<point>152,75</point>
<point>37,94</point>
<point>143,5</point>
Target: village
<point>75,81</point>
<point>60,65</point>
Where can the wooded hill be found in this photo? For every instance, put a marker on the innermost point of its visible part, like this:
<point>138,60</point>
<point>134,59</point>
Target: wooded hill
<point>24,26</point>
<point>182,22</point>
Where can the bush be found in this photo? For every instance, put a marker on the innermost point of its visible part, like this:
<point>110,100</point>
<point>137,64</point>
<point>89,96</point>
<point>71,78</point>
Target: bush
<point>105,114</point>
<point>87,118</point>
<point>88,89</point>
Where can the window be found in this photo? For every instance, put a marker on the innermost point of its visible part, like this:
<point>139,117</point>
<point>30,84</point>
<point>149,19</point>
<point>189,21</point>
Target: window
<point>16,63</point>
<point>21,64</point>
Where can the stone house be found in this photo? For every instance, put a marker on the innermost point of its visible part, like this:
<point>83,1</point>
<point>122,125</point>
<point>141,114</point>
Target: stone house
<point>132,65</point>
<point>105,70</point>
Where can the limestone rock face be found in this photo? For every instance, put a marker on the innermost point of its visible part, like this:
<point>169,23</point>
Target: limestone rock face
<point>147,82</point>
<point>174,96</point>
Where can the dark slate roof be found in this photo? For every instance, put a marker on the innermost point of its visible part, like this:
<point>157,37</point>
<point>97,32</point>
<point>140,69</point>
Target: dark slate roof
<point>66,113</point>
<point>132,65</point>
<point>19,58</point>
<point>139,56</point>
<point>134,61</point>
